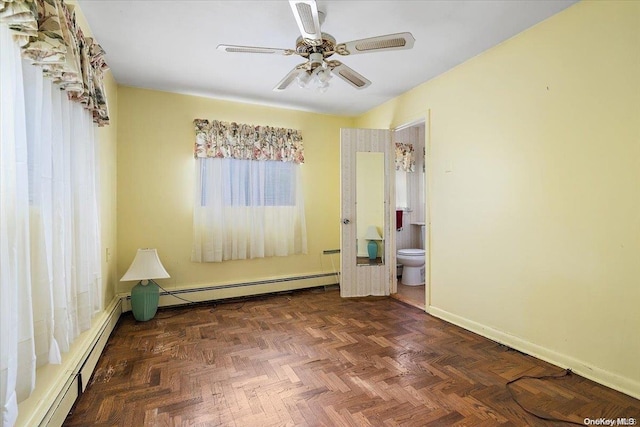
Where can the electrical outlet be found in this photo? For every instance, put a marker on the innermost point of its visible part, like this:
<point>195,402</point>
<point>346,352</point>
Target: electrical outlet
<point>107,254</point>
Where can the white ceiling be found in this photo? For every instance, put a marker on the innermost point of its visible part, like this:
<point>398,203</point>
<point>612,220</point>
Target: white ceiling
<point>171,45</point>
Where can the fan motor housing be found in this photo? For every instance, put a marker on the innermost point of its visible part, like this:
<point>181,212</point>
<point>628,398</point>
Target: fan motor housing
<point>326,46</point>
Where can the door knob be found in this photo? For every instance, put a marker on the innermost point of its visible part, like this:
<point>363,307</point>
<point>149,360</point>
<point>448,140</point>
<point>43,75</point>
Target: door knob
<point>346,221</point>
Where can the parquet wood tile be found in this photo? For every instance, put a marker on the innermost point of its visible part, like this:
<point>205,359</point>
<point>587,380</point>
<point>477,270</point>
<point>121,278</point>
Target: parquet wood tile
<point>311,358</point>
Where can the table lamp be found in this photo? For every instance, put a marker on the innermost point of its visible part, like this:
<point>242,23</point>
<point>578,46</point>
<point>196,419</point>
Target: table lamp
<point>372,236</point>
<point>146,293</point>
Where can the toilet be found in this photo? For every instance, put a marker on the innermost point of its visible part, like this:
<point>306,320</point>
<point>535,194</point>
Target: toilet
<point>413,262</point>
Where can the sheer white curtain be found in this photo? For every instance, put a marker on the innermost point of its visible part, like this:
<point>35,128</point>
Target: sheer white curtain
<point>247,209</point>
<point>64,228</point>
<point>17,361</point>
<point>50,280</point>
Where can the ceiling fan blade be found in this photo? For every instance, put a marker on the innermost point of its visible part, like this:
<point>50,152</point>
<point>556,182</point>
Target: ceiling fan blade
<point>350,76</point>
<point>289,78</point>
<point>308,18</point>
<point>374,44</point>
<point>252,49</point>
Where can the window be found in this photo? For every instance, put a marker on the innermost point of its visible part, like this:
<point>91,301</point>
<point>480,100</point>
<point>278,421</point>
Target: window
<point>248,197</point>
<point>252,183</point>
<point>402,201</point>
<point>247,209</point>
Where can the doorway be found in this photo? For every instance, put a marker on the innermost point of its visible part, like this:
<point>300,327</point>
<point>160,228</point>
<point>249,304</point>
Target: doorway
<point>412,225</point>
<point>368,184</point>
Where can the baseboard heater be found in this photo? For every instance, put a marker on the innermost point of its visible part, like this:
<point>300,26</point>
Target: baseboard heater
<point>246,284</point>
<point>78,378</point>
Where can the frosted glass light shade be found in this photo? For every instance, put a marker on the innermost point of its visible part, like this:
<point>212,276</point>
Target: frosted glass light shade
<point>146,265</point>
<point>372,233</point>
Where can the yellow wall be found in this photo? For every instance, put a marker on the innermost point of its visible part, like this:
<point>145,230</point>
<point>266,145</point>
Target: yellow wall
<point>535,235</point>
<point>156,186</point>
<point>108,191</point>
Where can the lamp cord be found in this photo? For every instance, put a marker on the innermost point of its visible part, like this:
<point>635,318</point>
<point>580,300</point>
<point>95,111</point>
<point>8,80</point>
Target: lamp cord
<point>544,377</point>
<point>171,293</point>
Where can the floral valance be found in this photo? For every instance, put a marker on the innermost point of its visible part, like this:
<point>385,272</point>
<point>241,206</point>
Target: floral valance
<point>405,159</point>
<point>247,142</point>
<point>50,37</point>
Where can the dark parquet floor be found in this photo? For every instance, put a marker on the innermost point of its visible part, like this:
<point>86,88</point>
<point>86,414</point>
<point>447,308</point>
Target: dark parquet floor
<point>310,358</point>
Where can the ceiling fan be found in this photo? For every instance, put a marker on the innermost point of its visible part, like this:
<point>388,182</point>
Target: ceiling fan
<point>317,47</point>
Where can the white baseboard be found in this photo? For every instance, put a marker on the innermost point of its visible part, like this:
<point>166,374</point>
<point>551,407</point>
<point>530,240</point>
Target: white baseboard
<point>58,386</point>
<point>601,376</point>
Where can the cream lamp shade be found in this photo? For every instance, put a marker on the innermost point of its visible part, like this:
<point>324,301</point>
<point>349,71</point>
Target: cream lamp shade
<point>372,233</point>
<point>146,265</point>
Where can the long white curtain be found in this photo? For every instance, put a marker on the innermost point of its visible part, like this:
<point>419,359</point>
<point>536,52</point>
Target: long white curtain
<point>247,209</point>
<point>17,364</point>
<point>50,280</point>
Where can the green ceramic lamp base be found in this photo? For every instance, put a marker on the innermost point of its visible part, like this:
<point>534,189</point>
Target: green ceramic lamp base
<point>372,248</point>
<point>144,300</point>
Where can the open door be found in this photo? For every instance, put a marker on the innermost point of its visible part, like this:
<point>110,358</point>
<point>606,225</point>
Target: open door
<point>367,244</point>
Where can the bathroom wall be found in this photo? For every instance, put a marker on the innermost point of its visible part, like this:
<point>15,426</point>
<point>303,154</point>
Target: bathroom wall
<point>409,235</point>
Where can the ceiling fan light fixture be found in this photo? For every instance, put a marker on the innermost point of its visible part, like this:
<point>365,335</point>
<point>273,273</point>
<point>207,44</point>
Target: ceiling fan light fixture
<point>324,76</point>
<point>317,79</point>
<point>320,80</point>
<point>303,79</point>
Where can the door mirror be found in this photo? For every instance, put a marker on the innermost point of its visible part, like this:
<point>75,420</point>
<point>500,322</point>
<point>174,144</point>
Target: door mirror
<point>370,208</point>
